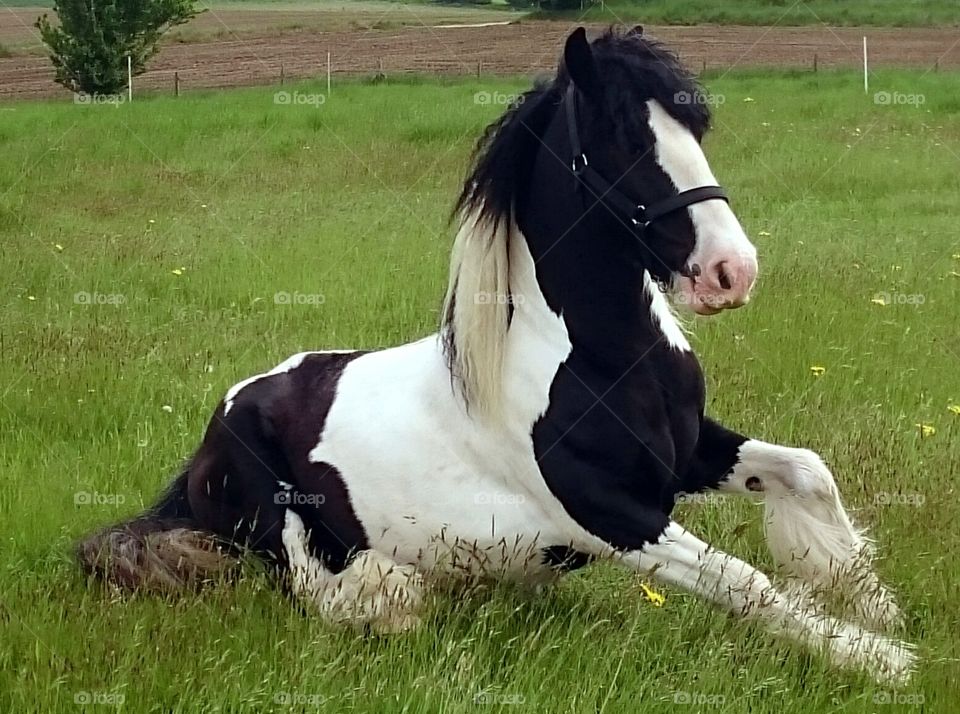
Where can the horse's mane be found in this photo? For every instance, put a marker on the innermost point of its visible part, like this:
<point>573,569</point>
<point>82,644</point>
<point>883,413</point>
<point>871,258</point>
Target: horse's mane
<point>477,308</point>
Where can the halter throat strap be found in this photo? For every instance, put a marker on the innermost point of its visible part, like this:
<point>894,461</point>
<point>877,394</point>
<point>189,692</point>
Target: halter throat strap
<point>631,212</point>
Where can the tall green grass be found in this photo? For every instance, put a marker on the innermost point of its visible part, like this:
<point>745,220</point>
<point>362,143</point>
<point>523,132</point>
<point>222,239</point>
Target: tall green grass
<point>142,247</point>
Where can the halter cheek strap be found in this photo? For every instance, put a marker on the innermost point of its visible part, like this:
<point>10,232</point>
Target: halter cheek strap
<point>631,212</point>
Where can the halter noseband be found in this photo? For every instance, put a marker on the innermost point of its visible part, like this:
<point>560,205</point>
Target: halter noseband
<point>634,214</point>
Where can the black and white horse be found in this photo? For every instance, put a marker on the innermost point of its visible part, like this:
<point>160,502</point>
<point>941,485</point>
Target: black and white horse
<point>556,416</point>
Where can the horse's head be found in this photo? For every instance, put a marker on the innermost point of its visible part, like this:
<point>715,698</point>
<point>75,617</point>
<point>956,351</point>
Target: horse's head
<point>602,172</point>
<point>634,120</point>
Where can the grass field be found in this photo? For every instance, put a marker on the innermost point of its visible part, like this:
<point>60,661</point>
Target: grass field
<point>143,246</point>
<point>897,13</point>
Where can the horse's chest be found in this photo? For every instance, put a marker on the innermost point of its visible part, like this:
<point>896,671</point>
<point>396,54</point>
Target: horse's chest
<point>612,448</point>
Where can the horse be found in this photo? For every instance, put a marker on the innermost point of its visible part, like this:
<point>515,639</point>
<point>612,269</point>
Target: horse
<point>556,416</point>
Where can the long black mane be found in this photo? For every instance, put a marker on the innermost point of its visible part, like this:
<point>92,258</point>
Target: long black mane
<point>634,68</point>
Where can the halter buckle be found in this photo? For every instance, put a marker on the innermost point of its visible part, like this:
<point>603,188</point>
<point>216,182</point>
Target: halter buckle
<point>579,163</point>
<point>639,216</point>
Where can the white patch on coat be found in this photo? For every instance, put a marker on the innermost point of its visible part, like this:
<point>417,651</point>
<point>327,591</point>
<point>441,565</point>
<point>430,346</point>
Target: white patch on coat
<point>663,316</point>
<point>681,157</point>
<point>465,494</point>
<point>717,230</point>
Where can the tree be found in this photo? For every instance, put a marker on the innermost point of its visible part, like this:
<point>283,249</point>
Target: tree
<point>89,48</point>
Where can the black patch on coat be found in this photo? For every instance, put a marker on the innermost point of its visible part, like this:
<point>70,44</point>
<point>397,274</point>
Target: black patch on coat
<point>236,476</point>
<point>564,558</point>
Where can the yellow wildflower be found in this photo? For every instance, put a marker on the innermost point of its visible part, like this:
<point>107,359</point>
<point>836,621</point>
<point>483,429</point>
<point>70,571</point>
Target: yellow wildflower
<point>653,597</point>
<point>954,409</point>
<point>817,370</point>
<point>926,430</point>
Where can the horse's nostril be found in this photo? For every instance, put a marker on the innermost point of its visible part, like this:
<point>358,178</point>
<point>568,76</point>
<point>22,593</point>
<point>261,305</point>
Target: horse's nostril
<point>723,277</point>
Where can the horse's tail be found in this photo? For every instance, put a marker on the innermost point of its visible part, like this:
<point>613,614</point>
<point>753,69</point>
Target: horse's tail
<point>161,549</point>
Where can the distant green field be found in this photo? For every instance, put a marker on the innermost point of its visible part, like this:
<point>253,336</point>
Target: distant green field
<point>897,13</point>
<point>277,4</point>
<point>142,247</point>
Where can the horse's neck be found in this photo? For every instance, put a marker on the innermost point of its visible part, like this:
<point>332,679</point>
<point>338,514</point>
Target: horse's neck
<point>553,383</point>
<point>611,308</point>
<point>541,337</point>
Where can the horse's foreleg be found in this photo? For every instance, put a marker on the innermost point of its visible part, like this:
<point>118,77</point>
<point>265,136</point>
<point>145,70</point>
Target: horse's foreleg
<point>679,558</point>
<point>807,528</point>
<point>372,590</point>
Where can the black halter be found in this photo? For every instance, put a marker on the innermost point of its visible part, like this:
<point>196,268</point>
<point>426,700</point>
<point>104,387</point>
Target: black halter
<point>633,214</point>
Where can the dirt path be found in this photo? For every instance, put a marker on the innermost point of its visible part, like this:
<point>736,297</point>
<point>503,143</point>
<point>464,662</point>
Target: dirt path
<point>244,56</point>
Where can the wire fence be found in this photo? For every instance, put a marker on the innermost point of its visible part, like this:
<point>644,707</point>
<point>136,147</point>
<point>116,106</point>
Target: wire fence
<point>522,49</point>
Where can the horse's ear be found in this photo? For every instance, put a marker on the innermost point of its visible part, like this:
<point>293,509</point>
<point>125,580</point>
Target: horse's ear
<point>637,31</point>
<point>578,59</point>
